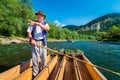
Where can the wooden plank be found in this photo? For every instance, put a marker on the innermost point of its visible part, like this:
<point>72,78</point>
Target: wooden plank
<point>25,65</point>
<point>54,72</point>
<point>48,58</point>
<point>61,69</point>
<point>29,64</point>
<point>94,72</point>
<point>84,71</point>
<point>10,74</point>
<point>69,71</point>
<point>26,75</point>
<point>44,74</point>
<point>77,72</point>
<point>15,71</point>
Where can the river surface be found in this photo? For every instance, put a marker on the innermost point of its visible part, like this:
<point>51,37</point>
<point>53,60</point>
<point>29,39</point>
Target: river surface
<point>104,54</point>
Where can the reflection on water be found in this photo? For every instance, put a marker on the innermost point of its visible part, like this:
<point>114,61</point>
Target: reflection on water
<point>104,54</point>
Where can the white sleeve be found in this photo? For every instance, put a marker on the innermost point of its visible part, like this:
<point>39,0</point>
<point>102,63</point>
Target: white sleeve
<point>30,28</point>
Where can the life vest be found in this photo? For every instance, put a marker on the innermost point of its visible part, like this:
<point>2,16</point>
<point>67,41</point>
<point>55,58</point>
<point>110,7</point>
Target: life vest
<point>44,32</point>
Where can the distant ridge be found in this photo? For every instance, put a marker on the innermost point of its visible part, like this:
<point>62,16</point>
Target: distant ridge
<point>71,27</point>
<point>105,21</point>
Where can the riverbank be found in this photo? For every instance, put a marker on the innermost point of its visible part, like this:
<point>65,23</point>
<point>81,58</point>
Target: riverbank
<point>12,40</point>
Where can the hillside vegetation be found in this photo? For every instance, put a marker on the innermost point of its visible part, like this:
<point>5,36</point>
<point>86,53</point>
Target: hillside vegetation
<point>14,15</point>
<point>106,21</point>
<point>13,21</point>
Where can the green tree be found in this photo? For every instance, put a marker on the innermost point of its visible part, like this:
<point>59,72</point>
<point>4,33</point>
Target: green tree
<point>13,17</point>
<point>53,33</point>
<point>102,36</point>
<point>61,34</point>
<point>68,33</point>
<point>75,35</point>
<point>114,33</point>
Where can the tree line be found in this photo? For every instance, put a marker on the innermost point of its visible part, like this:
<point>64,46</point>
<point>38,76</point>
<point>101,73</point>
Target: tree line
<point>64,33</point>
<point>13,22</point>
<point>113,34</point>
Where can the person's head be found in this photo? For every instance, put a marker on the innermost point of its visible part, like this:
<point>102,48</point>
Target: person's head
<point>40,15</point>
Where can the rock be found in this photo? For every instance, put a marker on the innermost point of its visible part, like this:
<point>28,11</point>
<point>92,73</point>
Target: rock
<point>13,42</point>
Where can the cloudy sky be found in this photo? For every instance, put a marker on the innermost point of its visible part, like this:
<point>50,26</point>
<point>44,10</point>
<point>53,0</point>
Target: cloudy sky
<point>76,12</point>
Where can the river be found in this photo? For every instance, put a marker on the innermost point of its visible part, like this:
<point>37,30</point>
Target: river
<point>104,54</point>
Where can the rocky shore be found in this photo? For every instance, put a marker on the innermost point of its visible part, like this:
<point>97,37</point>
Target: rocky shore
<point>12,40</point>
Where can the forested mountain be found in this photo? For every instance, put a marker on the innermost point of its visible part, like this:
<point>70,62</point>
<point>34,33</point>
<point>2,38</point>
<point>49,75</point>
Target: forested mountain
<point>71,27</point>
<point>105,21</point>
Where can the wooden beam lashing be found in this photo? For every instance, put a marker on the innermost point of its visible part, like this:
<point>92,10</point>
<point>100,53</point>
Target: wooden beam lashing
<point>61,69</point>
<point>44,74</point>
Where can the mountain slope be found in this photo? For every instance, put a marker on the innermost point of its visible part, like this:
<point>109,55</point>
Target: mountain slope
<point>105,21</point>
<point>71,27</point>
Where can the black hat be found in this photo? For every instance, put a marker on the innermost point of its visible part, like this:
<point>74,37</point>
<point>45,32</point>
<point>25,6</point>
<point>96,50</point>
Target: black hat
<point>40,12</point>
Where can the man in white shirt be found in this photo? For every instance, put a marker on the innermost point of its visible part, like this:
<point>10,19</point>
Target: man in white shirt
<point>37,33</point>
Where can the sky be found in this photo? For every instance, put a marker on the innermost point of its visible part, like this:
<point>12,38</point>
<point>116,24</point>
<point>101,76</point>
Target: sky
<point>75,12</point>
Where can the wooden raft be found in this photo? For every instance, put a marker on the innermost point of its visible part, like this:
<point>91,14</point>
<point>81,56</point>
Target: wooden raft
<point>58,68</point>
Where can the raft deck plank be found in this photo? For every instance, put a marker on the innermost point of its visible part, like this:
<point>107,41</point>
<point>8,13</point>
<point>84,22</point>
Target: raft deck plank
<point>44,74</point>
<point>25,66</point>
<point>95,74</point>
<point>61,69</point>
<point>10,74</point>
<point>77,71</point>
<point>69,71</point>
<point>84,71</point>
<point>54,72</point>
<point>27,74</point>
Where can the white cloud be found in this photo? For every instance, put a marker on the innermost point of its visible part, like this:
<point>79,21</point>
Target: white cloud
<point>63,25</point>
<point>57,23</point>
